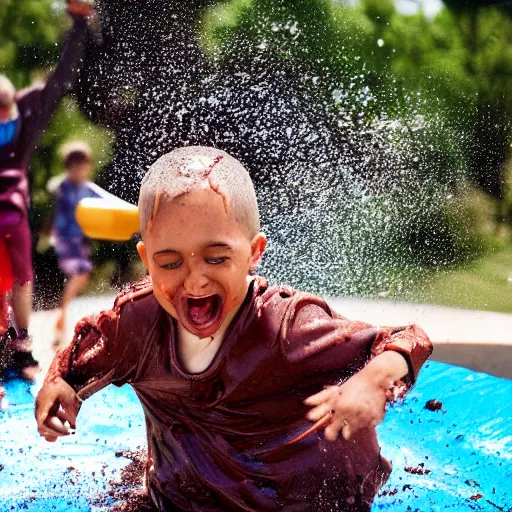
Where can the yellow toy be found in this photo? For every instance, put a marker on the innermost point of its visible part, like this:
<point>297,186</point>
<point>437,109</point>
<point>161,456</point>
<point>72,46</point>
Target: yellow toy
<point>107,217</point>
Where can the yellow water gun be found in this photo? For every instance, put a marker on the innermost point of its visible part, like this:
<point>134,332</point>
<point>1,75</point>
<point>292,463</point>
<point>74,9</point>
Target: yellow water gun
<point>107,217</point>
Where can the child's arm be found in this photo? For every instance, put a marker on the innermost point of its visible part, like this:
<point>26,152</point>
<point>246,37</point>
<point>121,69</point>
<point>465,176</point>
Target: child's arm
<point>360,402</point>
<point>56,403</point>
<point>44,101</point>
<point>82,368</point>
<point>375,363</point>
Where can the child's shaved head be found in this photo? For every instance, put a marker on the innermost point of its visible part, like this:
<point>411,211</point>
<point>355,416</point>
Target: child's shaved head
<point>185,169</point>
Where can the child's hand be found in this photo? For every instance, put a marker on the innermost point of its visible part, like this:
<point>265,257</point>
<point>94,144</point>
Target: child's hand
<point>80,7</point>
<point>358,403</point>
<point>57,407</point>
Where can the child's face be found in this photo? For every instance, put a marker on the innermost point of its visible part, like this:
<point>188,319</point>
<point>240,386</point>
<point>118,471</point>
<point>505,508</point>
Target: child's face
<point>78,173</point>
<point>199,258</point>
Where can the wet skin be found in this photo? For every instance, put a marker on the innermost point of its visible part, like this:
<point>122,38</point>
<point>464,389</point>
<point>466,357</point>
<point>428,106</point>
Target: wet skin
<point>199,259</point>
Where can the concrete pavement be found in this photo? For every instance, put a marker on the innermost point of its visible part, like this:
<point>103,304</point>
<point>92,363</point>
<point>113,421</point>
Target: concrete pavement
<point>479,340</point>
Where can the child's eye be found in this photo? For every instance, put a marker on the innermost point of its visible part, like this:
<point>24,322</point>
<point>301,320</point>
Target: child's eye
<point>170,266</point>
<point>216,261</point>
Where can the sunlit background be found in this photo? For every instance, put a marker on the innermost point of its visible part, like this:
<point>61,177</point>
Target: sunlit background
<point>378,132</point>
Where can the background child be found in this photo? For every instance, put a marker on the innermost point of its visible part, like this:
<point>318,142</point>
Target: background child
<point>23,117</point>
<point>72,248</point>
<point>246,387</point>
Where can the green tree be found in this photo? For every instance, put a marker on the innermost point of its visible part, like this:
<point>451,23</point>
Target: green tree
<point>31,32</point>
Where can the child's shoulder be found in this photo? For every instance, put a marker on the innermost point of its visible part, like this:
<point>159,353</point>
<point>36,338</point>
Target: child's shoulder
<point>136,308</point>
<point>135,293</point>
<point>285,301</point>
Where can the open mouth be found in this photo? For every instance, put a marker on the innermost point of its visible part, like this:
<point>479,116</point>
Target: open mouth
<point>202,311</point>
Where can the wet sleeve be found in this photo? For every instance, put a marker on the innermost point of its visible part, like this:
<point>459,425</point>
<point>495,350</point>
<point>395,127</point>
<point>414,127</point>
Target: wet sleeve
<point>93,359</point>
<point>61,80</point>
<point>316,339</point>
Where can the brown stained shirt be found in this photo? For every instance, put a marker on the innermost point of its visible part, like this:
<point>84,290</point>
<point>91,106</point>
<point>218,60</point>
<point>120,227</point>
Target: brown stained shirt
<point>231,438</point>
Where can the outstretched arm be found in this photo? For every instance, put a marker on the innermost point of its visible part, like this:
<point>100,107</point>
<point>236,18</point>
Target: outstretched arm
<point>376,364</point>
<point>360,402</point>
<point>316,339</point>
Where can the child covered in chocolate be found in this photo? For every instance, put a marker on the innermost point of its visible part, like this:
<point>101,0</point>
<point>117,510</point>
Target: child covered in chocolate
<point>256,397</point>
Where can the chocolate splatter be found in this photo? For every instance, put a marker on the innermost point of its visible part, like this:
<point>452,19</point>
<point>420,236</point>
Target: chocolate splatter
<point>129,493</point>
<point>417,470</point>
<point>433,405</point>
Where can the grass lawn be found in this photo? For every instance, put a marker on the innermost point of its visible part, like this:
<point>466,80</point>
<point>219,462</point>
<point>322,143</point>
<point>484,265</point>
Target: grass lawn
<point>484,284</point>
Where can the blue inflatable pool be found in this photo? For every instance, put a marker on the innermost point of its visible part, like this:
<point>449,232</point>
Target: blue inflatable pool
<point>458,457</point>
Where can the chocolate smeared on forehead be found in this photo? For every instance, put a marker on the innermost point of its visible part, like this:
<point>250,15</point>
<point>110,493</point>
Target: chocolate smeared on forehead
<point>185,169</point>
<point>198,168</point>
<point>213,186</point>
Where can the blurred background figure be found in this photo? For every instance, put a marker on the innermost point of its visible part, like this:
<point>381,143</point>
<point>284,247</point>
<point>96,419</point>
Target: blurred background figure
<point>23,117</point>
<point>72,249</point>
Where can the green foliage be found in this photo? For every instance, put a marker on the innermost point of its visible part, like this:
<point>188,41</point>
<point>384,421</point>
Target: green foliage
<point>324,42</point>
<point>456,68</point>
<point>467,58</point>
<point>451,75</point>
<point>31,32</point>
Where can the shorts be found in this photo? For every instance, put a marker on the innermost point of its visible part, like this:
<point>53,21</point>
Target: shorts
<point>15,233</point>
<point>6,277</point>
<point>74,255</point>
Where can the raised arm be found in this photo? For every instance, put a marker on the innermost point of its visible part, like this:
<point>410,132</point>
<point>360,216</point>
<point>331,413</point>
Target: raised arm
<point>61,80</point>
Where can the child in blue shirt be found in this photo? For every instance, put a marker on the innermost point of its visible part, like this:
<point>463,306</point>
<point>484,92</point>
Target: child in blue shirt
<point>72,248</point>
